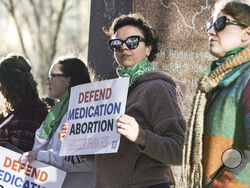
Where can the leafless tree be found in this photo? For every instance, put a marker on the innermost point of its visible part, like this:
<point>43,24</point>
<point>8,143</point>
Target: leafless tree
<point>42,21</point>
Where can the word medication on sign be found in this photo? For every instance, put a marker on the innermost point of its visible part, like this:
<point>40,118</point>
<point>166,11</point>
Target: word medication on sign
<point>94,111</point>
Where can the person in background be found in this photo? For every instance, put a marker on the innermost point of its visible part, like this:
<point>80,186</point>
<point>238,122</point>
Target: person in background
<point>153,127</point>
<point>22,110</point>
<point>221,113</point>
<point>64,74</point>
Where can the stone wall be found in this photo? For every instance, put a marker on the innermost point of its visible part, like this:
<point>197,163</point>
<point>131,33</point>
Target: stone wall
<point>181,26</point>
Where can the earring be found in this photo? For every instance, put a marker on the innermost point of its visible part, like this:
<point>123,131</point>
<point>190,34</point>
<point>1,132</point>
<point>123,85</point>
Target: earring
<point>115,65</point>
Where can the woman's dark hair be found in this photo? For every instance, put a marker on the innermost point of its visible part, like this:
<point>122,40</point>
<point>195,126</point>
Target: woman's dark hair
<point>17,82</point>
<point>238,9</point>
<point>76,70</point>
<point>138,21</point>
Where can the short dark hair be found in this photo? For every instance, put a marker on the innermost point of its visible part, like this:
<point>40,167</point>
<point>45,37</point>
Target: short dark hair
<point>17,81</point>
<point>138,21</point>
<point>76,70</point>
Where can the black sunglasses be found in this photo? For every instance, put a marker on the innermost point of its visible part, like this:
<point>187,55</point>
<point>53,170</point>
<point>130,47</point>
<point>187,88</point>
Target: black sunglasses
<point>131,42</point>
<point>221,23</point>
<point>52,75</point>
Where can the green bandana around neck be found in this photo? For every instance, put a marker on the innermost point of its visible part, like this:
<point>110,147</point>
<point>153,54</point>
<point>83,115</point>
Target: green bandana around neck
<point>218,62</point>
<point>135,71</point>
<point>54,118</point>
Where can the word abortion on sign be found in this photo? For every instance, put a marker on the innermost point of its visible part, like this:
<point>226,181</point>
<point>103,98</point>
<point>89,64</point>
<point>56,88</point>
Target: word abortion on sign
<point>93,111</point>
<point>14,174</point>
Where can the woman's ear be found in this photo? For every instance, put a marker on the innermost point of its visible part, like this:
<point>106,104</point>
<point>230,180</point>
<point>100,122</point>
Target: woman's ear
<point>67,81</point>
<point>148,50</point>
<point>246,35</point>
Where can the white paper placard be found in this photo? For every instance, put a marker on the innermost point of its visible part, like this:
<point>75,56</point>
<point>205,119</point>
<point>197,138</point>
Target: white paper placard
<point>14,174</point>
<point>93,111</point>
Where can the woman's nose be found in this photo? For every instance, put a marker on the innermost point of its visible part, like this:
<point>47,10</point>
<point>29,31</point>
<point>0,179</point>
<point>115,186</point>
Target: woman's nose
<point>211,31</point>
<point>124,47</point>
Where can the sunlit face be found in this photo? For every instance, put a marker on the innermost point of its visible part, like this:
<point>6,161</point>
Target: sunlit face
<point>58,85</point>
<point>229,38</point>
<point>126,57</point>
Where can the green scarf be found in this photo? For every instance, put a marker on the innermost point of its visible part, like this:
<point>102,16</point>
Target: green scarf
<point>54,118</point>
<point>135,71</point>
<point>218,62</point>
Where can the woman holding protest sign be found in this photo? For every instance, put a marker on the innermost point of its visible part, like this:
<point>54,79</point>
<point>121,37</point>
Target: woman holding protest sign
<point>21,108</point>
<point>63,75</point>
<point>221,110</point>
<point>153,127</point>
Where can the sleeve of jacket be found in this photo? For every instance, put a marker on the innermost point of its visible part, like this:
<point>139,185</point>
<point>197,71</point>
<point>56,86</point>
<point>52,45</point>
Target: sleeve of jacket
<point>53,158</point>
<point>166,139</point>
<point>48,152</point>
<point>21,134</point>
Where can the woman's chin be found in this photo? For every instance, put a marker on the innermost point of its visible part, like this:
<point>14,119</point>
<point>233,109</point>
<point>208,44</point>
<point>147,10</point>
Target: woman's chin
<point>50,94</point>
<point>216,53</point>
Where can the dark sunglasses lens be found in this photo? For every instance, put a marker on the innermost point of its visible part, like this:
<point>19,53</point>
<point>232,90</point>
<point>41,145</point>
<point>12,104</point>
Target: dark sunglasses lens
<point>116,45</point>
<point>132,42</point>
<point>220,23</point>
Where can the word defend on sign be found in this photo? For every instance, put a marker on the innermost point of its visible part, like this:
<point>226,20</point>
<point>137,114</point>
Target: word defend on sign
<point>93,111</point>
<point>15,175</point>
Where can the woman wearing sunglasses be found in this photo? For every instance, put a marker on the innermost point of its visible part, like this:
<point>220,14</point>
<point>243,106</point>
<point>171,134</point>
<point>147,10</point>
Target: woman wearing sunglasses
<point>221,113</point>
<point>63,75</point>
<point>153,126</point>
<point>21,108</point>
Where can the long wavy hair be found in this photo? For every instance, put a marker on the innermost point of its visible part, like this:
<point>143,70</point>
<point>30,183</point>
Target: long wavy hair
<point>17,83</point>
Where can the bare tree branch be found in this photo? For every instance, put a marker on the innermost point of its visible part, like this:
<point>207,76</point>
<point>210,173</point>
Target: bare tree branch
<point>60,16</point>
<point>11,10</point>
<point>38,24</point>
<point>6,4</point>
<point>37,17</point>
<point>43,20</point>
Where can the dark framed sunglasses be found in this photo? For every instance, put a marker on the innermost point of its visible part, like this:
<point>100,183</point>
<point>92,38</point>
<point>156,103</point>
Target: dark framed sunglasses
<point>131,42</point>
<point>52,75</point>
<point>221,23</point>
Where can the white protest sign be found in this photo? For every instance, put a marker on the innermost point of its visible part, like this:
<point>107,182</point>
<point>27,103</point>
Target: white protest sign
<point>93,111</point>
<point>14,174</point>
